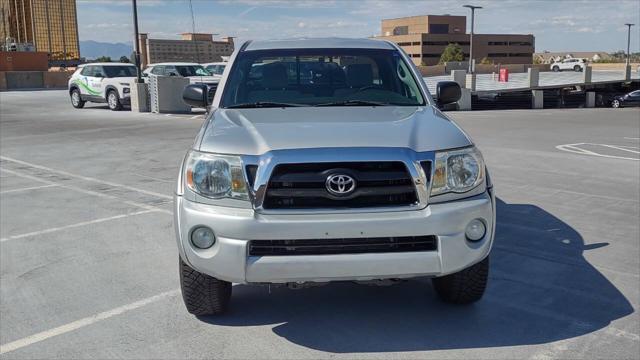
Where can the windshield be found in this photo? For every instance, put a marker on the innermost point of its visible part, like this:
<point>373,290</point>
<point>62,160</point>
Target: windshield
<point>215,69</point>
<point>321,77</point>
<point>119,71</point>
<point>192,70</point>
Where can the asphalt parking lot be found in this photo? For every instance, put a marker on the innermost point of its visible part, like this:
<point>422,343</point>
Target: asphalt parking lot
<point>88,263</point>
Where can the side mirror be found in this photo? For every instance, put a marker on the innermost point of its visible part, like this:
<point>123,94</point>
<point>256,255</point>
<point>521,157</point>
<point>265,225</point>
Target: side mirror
<point>447,92</point>
<point>196,95</point>
<point>173,74</point>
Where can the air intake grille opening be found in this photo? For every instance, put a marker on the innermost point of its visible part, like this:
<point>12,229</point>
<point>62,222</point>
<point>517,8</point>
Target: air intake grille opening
<point>303,186</point>
<point>343,246</point>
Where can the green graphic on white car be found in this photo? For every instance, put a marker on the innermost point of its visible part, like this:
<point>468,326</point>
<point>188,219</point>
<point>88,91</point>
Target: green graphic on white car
<point>102,83</point>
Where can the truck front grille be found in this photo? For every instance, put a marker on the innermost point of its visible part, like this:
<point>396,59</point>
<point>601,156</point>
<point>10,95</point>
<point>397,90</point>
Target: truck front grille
<point>343,246</point>
<point>303,186</point>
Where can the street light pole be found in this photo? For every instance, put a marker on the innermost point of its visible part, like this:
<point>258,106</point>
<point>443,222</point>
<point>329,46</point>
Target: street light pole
<point>136,42</point>
<point>628,42</point>
<point>473,13</point>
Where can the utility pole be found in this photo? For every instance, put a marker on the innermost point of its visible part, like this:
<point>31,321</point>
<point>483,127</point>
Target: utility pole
<point>473,13</point>
<point>629,42</point>
<point>136,42</point>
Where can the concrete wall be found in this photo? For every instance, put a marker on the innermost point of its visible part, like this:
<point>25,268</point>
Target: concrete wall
<point>23,61</point>
<point>612,66</point>
<point>438,70</point>
<point>10,80</point>
<point>56,79</point>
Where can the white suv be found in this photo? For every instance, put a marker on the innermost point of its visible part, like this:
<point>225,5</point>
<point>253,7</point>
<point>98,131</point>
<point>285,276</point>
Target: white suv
<point>102,82</point>
<point>569,64</point>
<point>328,160</point>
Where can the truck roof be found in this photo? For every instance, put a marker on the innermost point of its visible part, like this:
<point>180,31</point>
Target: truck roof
<point>175,63</point>
<point>106,64</point>
<point>318,43</point>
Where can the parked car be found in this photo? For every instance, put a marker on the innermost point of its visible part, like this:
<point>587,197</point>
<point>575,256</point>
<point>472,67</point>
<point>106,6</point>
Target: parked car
<point>102,82</point>
<point>196,73</point>
<point>626,100</point>
<point>215,68</point>
<point>569,64</point>
<point>346,172</point>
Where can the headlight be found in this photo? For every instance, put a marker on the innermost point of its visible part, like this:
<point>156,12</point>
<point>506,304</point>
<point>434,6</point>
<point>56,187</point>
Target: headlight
<point>457,171</point>
<point>215,176</point>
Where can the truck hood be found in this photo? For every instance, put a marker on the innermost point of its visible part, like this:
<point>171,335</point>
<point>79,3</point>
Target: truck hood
<point>203,79</point>
<point>257,131</point>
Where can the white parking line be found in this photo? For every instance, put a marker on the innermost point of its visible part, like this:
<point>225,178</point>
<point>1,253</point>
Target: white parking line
<point>621,148</point>
<point>89,192</point>
<point>27,189</point>
<point>83,223</point>
<point>87,178</point>
<point>15,345</point>
<point>573,148</point>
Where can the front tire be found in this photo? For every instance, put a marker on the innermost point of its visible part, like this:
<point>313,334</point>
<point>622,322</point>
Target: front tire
<point>465,286</point>
<point>114,101</point>
<point>76,99</point>
<point>615,103</point>
<point>203,294</point>
<point>577,68</point>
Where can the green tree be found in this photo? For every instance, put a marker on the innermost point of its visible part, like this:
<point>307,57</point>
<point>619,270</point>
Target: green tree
<point>103,59</point>
<point>124,59</point>
<point>485,61</point>
<point>453,52</point>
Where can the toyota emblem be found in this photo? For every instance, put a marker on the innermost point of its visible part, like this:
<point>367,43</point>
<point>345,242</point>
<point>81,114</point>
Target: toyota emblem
<point>340,184</point>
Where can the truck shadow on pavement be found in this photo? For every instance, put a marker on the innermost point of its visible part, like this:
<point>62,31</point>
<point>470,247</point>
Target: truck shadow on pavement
<point>541,289</point>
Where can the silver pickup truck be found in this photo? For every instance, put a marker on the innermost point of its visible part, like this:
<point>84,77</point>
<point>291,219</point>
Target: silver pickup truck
<point>328,160</point>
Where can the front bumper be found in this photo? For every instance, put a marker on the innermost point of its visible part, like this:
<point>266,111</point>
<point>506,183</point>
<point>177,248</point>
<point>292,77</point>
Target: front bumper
<point>228,258</point>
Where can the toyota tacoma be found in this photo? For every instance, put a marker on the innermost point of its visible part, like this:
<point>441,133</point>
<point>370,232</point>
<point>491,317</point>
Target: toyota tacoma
<point>328,160</point>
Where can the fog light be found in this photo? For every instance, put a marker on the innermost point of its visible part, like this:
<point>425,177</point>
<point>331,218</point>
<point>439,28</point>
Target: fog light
<point>475,230</point>
<point>202,237</point>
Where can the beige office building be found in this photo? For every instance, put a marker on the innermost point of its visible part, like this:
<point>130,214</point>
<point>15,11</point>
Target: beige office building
<point>425,37</point>
<point>192,47</point>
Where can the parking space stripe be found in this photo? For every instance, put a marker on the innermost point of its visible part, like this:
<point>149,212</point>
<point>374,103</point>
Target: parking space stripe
<point>87,178</point>
<point>573,148</point>
<point>28,188</point>
<point>621,148</point>
<point>83,223</point>
<point>15,345</point>
<point>89,192</point>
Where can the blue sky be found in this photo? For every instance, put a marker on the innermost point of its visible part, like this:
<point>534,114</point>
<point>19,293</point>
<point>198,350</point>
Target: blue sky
<point>576,25</point>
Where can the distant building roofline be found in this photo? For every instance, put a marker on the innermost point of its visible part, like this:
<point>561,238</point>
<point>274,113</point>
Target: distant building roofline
<point>426,15</point>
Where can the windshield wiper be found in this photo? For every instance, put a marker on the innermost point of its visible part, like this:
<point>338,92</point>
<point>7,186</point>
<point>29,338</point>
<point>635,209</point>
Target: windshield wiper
<point>353,103</point>
<point>262,104</point>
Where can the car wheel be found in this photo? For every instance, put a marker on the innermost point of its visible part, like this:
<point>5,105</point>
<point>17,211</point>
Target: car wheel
<point>203,294</point>
<point>615,103</point>
<point>465,286</point>
<point>577,68</point>
<point>555,69</point>
<point>114,101</point>
<point>76,99</point>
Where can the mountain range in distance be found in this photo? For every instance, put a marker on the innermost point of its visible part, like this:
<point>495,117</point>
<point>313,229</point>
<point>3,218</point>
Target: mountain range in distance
<point>90,49</point>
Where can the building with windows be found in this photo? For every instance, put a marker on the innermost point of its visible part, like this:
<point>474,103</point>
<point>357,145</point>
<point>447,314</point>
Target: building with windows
<point>425,37</point>
<point>192,47</point>
<point>41,26</point>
